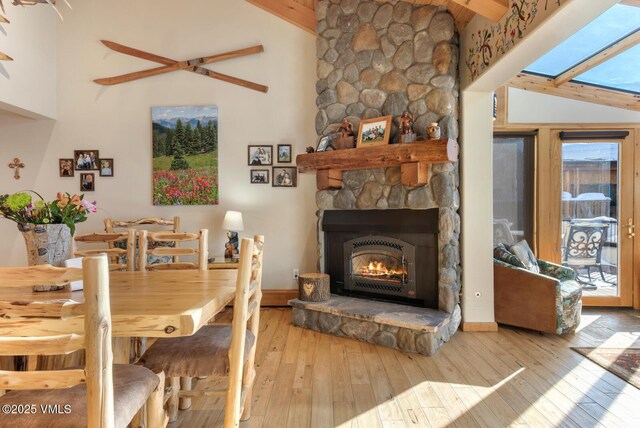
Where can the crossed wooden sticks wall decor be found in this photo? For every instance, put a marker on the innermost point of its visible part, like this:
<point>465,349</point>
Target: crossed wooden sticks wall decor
<point>192,65</point>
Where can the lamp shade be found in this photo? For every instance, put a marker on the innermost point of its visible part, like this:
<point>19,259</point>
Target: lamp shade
<point>233,221</point>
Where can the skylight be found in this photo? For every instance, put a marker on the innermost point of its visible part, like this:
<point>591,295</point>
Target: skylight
<point>621,72</point>
<point>613,25</point>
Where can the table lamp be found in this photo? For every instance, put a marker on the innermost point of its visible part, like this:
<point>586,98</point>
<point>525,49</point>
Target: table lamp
<point>233,223</point>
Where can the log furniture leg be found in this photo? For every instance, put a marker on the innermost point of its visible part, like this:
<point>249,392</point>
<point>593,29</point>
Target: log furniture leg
<point>185,385</point>
<point>156,416</point>
<point>172,404</point>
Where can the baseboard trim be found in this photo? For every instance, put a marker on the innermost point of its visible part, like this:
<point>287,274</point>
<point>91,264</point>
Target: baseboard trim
<point>278,297</point>
<point>480,326</point>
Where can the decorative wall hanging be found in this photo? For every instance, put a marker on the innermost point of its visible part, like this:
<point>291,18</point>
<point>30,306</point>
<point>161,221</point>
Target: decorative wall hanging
<point>106,167</point>
<point>87,182</point>
<point>259,176</point>
<point>284,153</point>
<point>16,165</point>
<point>284,176</point>
<point>66,167</point>
<point>185,155</point>
<point>192,65</point>
<point>260,155</point>
<point>86,160</point>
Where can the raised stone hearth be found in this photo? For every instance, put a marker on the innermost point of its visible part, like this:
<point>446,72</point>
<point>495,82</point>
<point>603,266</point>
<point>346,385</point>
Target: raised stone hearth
<point>407,328</point>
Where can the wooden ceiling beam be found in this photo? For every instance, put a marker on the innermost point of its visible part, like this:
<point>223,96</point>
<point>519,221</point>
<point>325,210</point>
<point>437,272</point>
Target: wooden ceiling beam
<point>576,91</point>
<point>493,10</point>
<point>291,11</point>
<point>597,59</point>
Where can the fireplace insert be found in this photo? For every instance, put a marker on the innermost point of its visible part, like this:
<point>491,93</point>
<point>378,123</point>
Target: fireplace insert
<point>388,255</point>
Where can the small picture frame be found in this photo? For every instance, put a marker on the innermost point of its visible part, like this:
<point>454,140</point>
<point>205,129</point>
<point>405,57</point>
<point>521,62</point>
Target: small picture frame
<point>374,132</point>
<point>106,167</point>
<point>87,182</point>
<point>260,155</point>
<point>259,176</point>
<point>285,176</point>
<point>324,144</point>
<point>284,153</point>
<point>86,160</point>
<point>65,167</point>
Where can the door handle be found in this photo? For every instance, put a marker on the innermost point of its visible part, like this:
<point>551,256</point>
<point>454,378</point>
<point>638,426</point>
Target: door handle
<point>630,229</point>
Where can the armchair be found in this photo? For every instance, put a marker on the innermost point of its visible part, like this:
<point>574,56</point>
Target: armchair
<point>549,301</point>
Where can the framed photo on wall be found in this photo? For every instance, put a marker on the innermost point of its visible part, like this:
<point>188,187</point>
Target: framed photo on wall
<point>259,176</point>
<point>106,167</point>
<point>86,160</point>
<point>374,132</point>
<point>284,153</point>
<point>284,176</point>
<point>87,182</point>
<point>65,167</point>
<point>260,155</point>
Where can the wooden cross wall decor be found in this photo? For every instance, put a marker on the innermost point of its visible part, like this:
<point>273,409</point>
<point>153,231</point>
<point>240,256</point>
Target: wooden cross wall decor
<point>16,165</point>
<point>192,65</point>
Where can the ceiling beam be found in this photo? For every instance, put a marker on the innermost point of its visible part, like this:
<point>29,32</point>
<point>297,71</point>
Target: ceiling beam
<point>576,91</point>
<point>493,10</point>
<point>290,10</point>
<point>608,53</point>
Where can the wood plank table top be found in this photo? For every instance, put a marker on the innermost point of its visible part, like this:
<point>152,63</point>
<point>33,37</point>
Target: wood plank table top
<point>155,303</point>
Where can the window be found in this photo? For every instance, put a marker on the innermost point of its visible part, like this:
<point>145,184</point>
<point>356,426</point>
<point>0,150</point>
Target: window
<point>513,187</point>
<point>620,72</point>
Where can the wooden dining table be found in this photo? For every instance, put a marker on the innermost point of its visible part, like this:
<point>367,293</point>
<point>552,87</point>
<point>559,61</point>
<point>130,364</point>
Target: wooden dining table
<point>150,304</point>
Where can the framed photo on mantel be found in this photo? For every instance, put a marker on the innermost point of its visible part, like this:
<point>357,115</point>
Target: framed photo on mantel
<point>374,132</point>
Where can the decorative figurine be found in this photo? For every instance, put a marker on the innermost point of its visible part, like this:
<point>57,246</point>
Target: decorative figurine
<point>434,131</point>
<point>346,128</point>
<point>406,129</point>
<point>310,149</point>
<point>344,136</point>
<point>231,247</point>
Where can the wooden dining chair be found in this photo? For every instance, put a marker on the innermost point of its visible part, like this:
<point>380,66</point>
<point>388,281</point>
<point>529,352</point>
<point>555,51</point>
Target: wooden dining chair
<point>156,223</point>
<point>219,350</point>
<point>146,249</point>
<point>119,258</point>
<point>172,224</point>
<point>101,394</point>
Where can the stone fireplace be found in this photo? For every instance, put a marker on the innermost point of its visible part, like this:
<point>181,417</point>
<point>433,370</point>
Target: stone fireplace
<point>378,59</point>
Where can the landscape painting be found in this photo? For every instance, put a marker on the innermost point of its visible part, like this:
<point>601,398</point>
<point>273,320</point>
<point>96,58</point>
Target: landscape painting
<point>185,155</point>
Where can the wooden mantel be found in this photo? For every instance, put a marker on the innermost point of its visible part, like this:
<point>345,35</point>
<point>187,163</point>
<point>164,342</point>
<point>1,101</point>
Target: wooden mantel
<point>412,158</point>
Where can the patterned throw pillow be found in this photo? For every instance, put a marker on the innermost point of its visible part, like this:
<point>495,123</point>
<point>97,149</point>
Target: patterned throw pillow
<point>522,251</point>
<point>501,253</point>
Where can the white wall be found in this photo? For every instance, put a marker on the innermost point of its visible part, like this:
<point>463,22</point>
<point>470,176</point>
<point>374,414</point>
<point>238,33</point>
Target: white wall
<point>533,107</point>
<point>28,83</point>
<point>116,119</point>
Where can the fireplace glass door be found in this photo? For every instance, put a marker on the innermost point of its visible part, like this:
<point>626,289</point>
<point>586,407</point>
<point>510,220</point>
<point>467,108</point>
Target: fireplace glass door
<point>382,265</point>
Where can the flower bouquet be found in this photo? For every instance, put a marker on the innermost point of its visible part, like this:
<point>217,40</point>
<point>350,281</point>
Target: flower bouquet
<point>47,227</point>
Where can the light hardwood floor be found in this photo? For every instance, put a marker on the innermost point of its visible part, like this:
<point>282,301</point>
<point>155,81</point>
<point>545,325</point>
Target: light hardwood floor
<point>510,378</point>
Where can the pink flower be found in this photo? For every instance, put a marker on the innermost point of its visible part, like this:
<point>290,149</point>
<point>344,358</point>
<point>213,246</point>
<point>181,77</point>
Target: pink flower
<point>89,206</point>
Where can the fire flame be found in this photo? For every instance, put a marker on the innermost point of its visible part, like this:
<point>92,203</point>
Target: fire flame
<point>379,269</point>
